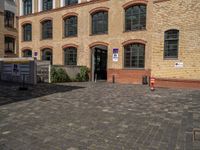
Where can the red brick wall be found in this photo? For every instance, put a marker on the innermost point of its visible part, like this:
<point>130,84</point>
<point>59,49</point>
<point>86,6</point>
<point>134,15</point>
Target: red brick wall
<point>176,83</point>
<point>127,75</point>
<point>135,77</point>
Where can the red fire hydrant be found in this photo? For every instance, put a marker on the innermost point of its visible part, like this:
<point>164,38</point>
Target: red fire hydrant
<point>152,84</point>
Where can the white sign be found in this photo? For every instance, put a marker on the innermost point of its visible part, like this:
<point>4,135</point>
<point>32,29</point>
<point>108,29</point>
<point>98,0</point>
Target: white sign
<point>115,54</point>
<point>179,65</point>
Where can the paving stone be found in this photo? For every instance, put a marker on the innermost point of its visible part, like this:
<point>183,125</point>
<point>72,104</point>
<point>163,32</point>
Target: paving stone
<point>101,116</point>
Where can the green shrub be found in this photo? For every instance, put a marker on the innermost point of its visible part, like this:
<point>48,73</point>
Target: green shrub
<point>59,75</point>
<point>83,75</point>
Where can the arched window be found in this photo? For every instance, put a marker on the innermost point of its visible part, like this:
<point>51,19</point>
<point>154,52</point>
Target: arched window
<point>134,55</point>
<point>171,43</point>
<point>47,29</point>
<point>47,54</point>
<point>9,45</point>
<point>27,53</point>
<point>135,17</point>
<point>27,7</point>
<point>47,4</point>
<point>70,56</point>
<point>27,32</point>
<point>70,26</point>
<point>70,2</point>
<point>100,22</point>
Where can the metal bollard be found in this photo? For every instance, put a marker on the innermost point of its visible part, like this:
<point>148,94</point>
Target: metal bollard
<point>95,77</point>
<point>113,79</point>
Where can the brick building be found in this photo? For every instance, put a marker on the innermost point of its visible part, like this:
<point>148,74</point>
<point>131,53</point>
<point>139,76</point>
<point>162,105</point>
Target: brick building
<point>127,39</point>
<point>1,29</point>
<point>8,29</point>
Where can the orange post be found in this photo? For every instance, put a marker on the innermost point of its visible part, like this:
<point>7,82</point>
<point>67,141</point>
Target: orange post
<point>152,84</point>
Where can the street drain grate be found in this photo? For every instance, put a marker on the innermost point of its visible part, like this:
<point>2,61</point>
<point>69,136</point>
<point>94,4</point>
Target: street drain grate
<point>196,135</point>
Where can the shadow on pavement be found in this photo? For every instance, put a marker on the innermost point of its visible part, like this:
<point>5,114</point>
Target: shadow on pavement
<point>10,93</point>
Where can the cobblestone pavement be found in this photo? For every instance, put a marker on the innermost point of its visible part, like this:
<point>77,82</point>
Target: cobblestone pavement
<point>101,116</point>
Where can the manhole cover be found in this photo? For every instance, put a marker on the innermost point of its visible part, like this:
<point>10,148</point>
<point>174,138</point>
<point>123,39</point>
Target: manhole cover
<point>196,135</point>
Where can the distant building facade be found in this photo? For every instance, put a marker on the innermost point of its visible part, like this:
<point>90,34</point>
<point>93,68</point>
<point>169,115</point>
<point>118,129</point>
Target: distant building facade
<point>124,39</point>
<point>1,29</point>
<point>8,29</point>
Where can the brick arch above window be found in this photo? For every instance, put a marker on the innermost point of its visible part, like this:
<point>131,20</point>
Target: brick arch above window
<point>26,22</point>
<point>45,19</point>
<point>134,41</point>
<point>69,15</point>
<point>26,48</point>
<point>69,45</point>
<point>98,43</point>
<point>172,29</point>
<point>98,9</point>
<point>46,47</point>
<point>11,36</point>
<point>134,2</point>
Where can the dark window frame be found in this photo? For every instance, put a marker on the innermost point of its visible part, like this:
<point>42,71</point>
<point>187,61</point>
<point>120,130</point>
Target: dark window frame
<point>171,44</point>
<point>134,57</point>
<point>27,53</point>
<point>70,2</point>
<point>70,56</point>
<point>99,22</point>
<point>9,19</point>
<point>136,11</point>
<point>27,32</point>
<point>27,7</point>
<point>70,26</point>
<point>9,44</point>
<point>47,29</point>
<point>47,5</point>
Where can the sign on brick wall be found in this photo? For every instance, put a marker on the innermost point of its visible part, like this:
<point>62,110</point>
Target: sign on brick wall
<point>179,65</point>
<point>115,54</point>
